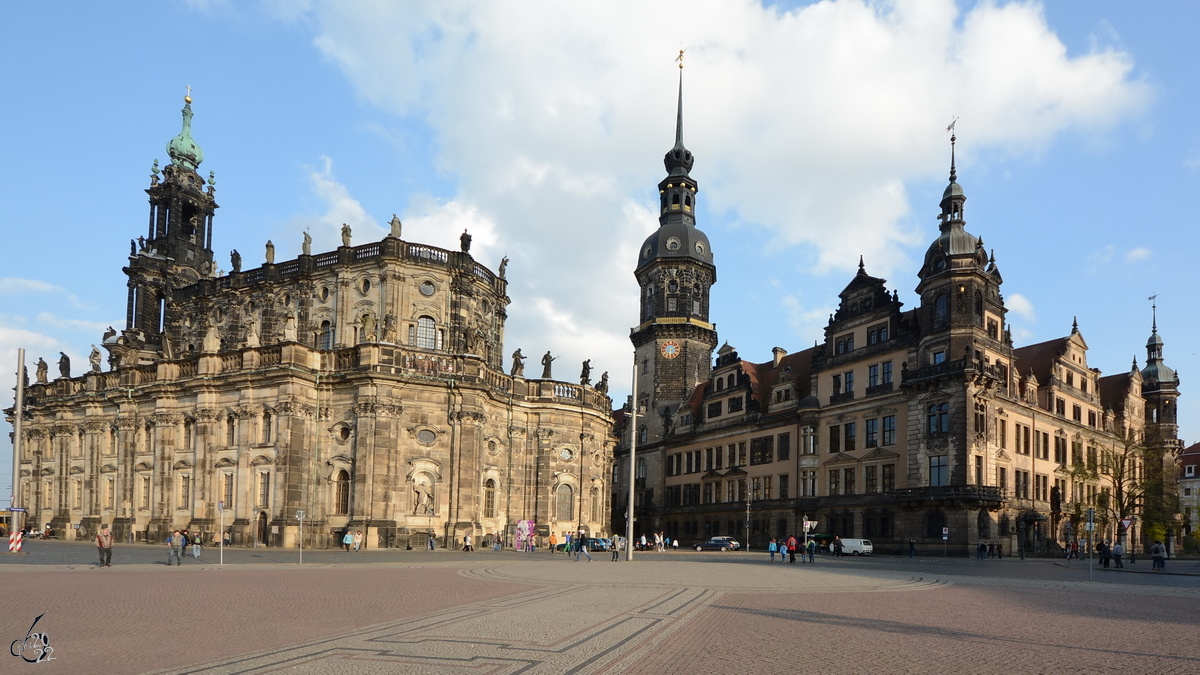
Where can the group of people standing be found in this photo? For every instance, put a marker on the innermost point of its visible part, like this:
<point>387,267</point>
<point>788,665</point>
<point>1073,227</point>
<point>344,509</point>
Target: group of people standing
<point>786,548</point>
<point>354,539</point>
<point>177,545</point>
<point>987,549</point>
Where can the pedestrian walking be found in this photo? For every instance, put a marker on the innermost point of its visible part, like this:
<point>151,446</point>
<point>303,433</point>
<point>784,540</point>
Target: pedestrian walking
<point>912,548</point>
<point>553,543</point>
<point>468,543</point>
<point>812,550</point>
<point>197,544</point>
<point>1158,556</point>
<point>175,543</point>
<point>104,541</point>
<point>837,546</point>
<point>581,547</point>
<point>1117,551</point>
<point>791,548</point>
<point>358,540</point>
<point>347,540</point>
<point>771,548</point>
<point>1102,549</point>
<point>615,542</point>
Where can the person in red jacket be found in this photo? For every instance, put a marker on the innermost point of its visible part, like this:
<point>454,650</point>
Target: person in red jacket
<point>104,541</point>
<point>791,546</point>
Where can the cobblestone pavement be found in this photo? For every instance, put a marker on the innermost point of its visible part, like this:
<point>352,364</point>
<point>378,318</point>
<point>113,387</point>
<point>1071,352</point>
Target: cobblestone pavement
<point>448,612</point>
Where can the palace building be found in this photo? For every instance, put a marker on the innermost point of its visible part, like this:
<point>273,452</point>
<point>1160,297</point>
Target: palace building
<point>923,425</point>
<point>362,386</point>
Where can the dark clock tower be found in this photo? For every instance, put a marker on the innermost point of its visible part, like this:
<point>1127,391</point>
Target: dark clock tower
<point>175,253</point>
<point>674,340</point>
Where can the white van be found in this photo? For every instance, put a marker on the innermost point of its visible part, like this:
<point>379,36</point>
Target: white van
<point>855,547</point>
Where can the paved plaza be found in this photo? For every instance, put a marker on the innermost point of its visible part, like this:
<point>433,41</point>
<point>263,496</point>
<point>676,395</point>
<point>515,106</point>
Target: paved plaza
<point>506,612</point>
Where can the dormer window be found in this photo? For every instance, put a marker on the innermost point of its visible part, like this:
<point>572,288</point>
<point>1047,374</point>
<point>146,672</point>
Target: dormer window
<point>844,344</point>
<point>877,334</point>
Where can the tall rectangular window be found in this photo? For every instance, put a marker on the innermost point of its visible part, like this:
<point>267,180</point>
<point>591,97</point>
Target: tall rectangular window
<point>889,477</point>
<point>768,487</point>
<point>872,433</point>
<point>871,479</point>
<point>873,376</point>
<point>784,447</point>
<point>1003,474</point>
<point>889,430</point>
<point>834,475</point>
<point>185,494</point>
<point>145,492</point>
<point>978,470</point>
<point>762,450</point>
<point>227,490</point>
<point>835,438</point>
<point>937,471</point>
<point>783,487</point>
<point>849,379</point>
<point>264,488</point>
<point>887,372</point>
<point>1003,426</point>
<point>851,432</point>
<point>848,481</point>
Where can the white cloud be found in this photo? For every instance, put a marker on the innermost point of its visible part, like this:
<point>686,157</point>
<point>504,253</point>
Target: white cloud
<point>807,124</point>
<point>1137,254</point>
<point>76,324</point>
<point>339,208</point>
<point>1021,306</point>
<point>18,286</point>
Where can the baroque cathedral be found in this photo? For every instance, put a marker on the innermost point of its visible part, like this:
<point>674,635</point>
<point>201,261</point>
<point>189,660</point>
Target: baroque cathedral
<point>923,427</point>
<point>360,388</point>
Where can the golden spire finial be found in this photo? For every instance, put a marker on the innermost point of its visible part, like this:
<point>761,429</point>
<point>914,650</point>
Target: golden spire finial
<point>188,98</point>
<point>679,59</point>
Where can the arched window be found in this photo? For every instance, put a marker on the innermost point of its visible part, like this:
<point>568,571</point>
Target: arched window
<point>266,428</point>
<point>564,503</point>
<point>934,522</point>
<point>941,311</point>
<point>675,201</point>
<point>643,435</point>
<point>325,337</point>
<point>720,384</point>
<point>979,303</point>
<point>426,333</point>
<point>687,202</point>
<point>231,431</point>
<point>596,505</point>
<point>341,493</point>
<point>489,498</point>
<point>939,418</point>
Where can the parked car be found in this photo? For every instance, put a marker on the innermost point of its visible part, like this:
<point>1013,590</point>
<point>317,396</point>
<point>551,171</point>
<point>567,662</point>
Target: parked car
<point>855,547</point>
<point>718,544</point>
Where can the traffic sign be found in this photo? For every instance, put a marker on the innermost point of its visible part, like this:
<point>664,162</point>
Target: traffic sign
<point>18,509</point>
<point>945,531</point>
<point>1091,516</point>
<point>1126,522</point>
<point>945,537</point>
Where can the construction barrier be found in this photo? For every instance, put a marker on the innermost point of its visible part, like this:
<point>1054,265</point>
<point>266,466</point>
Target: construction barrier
<point>14,542</point>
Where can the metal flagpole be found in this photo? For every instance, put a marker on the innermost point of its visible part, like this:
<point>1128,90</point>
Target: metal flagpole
<point>632,461</point>
<point>18,418</point>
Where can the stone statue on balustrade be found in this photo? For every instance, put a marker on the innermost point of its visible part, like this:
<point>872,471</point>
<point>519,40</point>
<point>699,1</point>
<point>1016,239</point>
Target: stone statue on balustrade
<point>345,234</point>
<point>235,259</point>
<point>306,246</point>
<point>94,359</point>
<point>395,233</point>
<point>585,375</point>
<point>503,266</point>
<point>602,385</point>
<point>464,242</point>
<point>270,253</point>
<point>64,365</point>
<point>389,328</point>
<point>546,361</point>
<point>518,366</point>
<point>368,327</point>
<point>42,370</point>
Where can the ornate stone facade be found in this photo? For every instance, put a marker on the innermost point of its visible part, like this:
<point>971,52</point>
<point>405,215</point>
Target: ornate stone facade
<point>363,386</point>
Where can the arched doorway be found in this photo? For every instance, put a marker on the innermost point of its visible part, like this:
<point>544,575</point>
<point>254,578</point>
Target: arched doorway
<point>262,528</point>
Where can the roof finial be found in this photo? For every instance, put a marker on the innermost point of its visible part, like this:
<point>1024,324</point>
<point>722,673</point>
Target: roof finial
<point>1153,312</point>
<point>1074,325</point>
<point>679,114</point>
<point>861,267</point>
<point>188,97</point>
<point>953,138</point>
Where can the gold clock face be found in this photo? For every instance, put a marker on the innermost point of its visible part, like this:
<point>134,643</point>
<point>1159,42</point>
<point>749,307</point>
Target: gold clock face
<point>670,349</point>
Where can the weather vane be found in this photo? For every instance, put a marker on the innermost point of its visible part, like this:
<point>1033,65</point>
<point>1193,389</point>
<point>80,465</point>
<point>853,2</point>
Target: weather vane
<point>951,127</point>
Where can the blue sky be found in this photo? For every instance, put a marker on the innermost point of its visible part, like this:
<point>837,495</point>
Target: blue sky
<point>818,130</point>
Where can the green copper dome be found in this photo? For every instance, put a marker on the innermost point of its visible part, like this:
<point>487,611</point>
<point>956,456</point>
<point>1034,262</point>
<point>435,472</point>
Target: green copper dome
<point>183,149</point>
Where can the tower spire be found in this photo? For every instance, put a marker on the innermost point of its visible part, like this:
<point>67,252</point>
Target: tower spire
<point>679,112</point>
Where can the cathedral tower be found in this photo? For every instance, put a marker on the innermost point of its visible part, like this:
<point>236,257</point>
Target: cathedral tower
<point>176,251</point>
<point>674,340</point>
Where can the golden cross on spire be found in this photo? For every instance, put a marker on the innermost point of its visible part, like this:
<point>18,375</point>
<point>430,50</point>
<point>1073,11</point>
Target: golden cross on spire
<point>188,98</point>
<point>679,59</point>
